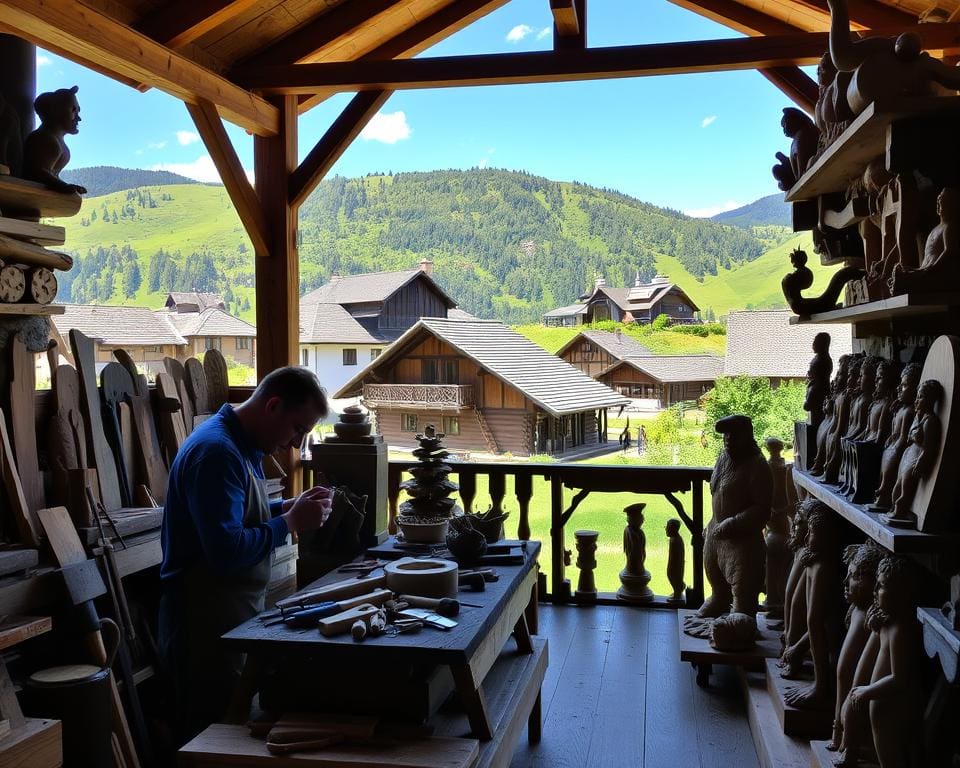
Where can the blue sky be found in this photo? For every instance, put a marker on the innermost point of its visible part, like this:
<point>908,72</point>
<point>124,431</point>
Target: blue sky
<point>698,143</point>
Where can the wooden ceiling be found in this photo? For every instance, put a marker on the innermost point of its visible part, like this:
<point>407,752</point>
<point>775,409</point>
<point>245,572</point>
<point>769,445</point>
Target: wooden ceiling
<point>206,50</point>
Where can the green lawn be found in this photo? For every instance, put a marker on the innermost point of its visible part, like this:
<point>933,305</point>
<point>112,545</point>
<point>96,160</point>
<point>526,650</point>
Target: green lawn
<point>664,342</point>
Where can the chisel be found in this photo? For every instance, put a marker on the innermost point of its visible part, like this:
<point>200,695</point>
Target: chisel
<point>308,617</point>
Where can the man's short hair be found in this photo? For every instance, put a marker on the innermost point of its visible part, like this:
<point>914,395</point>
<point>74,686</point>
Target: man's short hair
<point>295,386</point>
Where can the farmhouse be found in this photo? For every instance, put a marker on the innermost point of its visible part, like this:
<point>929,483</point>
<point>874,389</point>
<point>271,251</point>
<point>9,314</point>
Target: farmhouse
<point>642,303</point>
<point>669,379</point>
<point>595,351</point>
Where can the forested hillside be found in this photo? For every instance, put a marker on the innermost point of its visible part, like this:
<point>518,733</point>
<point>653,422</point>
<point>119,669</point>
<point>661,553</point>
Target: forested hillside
<point>104,179</point>
<point>505,244</point>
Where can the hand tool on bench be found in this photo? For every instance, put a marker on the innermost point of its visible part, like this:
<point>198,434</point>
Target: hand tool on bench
<point>343,621</point>
<point>308,617</point>
<point>339,590</point>
<point>149,459</point>
<point>117,387</point>
<point>428,617</point>
<point>445,606</point>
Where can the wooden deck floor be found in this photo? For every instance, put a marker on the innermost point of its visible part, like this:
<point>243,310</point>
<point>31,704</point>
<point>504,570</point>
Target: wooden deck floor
<point>617,696</point>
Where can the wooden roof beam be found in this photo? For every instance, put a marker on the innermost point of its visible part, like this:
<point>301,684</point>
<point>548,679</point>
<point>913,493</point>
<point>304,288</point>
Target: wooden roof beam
<point>868,14</point>
<point>548,67</point>
<point>796,85</point>
<point>334,143</point>
<point>329,28</point>
<point>87,34</point>
<point>242,194</point>
<point>182,21</point>
<point>742,18</point>
<point>569,24</point>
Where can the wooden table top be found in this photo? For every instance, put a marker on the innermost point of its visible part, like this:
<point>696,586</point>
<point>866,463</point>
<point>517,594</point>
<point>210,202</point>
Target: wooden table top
<point>432,646</point>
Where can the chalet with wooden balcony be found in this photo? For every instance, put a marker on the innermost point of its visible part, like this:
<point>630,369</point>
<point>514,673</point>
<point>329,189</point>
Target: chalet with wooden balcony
<point>595,351</point>
<point>641,303</point>
<point>486,387</point>
<point>668,379</point>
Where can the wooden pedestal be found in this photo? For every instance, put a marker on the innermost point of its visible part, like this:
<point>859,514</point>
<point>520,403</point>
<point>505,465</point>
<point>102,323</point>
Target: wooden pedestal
<point>805,723</point>
<point>774,748</point>
<point>699,651</point>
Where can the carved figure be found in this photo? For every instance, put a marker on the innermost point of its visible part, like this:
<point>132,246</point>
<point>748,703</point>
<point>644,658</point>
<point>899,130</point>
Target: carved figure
<point>11,142</point>
<point>676,562</point>
<point>797,126</point>
<point>842,403</point>
<point>837,386</point>
<point>862,561</point>
<point>940,268</point>
<point>794,638</point>
<point>822,583</point>
<point>896,443</point>
<point>635,578</point>
<point>818,378</point>
<point>794,283</point>
<point>734,632</point>
<point>742,490</point>
<point>831,113</point>
<point>45,153</point>
<point>778,530</point>
<point>884,698</point>
<point>880,411</point>
<point>857,422</point>
<point>882,66</point>
<point>586,562</point>
<point>920,454</point>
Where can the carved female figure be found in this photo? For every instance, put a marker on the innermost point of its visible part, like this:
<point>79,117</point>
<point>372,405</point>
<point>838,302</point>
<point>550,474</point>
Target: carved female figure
<point>837,386</point>
<point>896,443</point>
<point>921,452</point>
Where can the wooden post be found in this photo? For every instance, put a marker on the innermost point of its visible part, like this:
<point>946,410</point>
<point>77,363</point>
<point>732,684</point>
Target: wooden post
<point>498,488</point>
<point>278,271</point>
<point>560,587</point>
<point>393,497</point>
<point>18,81</point>
<point>696,542</point>
<point>523,489</point>
<point>467,481</point>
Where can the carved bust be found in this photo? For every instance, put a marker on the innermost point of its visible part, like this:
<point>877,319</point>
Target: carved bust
<point>45,153</point>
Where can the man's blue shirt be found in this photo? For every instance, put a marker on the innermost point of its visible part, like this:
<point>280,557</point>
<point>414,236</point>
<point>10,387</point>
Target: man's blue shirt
<point>206,499</point>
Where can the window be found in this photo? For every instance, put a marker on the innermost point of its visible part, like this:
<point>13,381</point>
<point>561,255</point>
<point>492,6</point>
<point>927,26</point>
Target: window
<point>156,349</point>
<point>374,354</point>
<point>306,358</point>
<point>243,342</point>
<point>212,342</point>
<point>349,357</point>
<point>408,422</point>
<point>451,425</point>
<point>436,370</point>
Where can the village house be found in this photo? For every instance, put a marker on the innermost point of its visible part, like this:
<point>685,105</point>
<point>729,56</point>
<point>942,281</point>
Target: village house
<point>642,303</point>
<point>765,343</point>
<point>350,320</point>
<point>486,387</point>
<point>668,379</point>
<point>595,351</point>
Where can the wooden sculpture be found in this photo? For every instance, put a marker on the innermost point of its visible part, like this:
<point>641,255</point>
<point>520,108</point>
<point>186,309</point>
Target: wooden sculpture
<point>742,490</point>
<point>818,378</point>
<point>842,402</point>
<point>676,562</point>
<point>863,475</point>
<point>587,563</point>
<point>883,67</point>
<point>940,268</point>
<point>45,153</point>
<point>918,458</point>
<point>795,640</point>
<point>837,386</point>
<point>822,581</point>
<point>832,113</point>
<point>635,578</point>
<point>734,632</point>
<point>794,283</point>
<point>857,421</point>
<point>862,561</point>
<point>797,126</point>
<point>896,443</point>
<point>884,700</point>
<point>778,531</point>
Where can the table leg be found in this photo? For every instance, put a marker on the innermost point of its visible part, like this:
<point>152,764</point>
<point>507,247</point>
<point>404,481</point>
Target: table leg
<point>532,610</point>
<point>239,711</point>
<point>473,701</point>
<point>522,634</point>
<point>535,721</point>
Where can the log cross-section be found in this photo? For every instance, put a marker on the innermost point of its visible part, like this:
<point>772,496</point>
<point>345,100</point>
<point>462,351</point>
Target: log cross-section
<point>234,178</point>
<point>334,143</point>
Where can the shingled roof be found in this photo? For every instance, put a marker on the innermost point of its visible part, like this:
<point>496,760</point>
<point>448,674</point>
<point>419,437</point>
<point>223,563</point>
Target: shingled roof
<point>368,287</point>
<point>674,368</point>
<point>209,322</point>
<point>763,343</point>
<point>322,323</point>
<point>177,299</point>
<point>619,345</point>
<point>118,326</point>
<point>553,384</point>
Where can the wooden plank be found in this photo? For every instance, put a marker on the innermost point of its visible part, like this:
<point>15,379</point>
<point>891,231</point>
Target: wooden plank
<point>774,749</point>
<point>181,22</point>
<point>41,234</point>
<point>62,536</point>
<point>129,522</point>
<point>66,435</point>
<point>16,629</point>
<point>148,456</point>
<point>334,143</point>
<point>228,165</point>
<point>172,431</point>
<point>218,385</point>
<point>196,386</point>
<point>179,376</point>
<point>82,31</point>
<point>905,305</point>
<point>23,516</point>
<point>28,198</point>
<point>799,87</point>
<point>102,457</point>
<point>22,252</point>
<point>13,560</point>
<point>798,49</point>
<point>565,19</point>
<point>699,650</point>
<point>23,422</point>
<point>801,723</point>
<point>232,745</point>
<point>742,18</point>
<point>38,744</point>
<point>32,309</point>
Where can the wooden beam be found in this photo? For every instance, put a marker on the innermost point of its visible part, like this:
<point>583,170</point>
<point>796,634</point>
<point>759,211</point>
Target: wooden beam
<point>869,14</point>
<point>87,34</point>
<point>445,22</point>
<point>547,67</point>
<point>326,29</point>
<point>796,84</point>
<point>181,22</point>
<point>234,178</point>
<point>334,143</point>
<point>565,19</point>
<point>742,18</point>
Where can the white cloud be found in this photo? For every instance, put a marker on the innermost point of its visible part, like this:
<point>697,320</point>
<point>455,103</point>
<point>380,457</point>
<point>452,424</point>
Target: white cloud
<point>519,32</point>
<point>387,128</point>
<point>156,145</point>
<point>544,32</point>
<point>713,210</point>
<point>44,61</point>
<point>201,169</point>
<point>708,121</point>
<point>187,137</point>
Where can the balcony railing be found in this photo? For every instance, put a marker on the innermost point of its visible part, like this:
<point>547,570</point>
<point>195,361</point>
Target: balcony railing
<point>418,395</point>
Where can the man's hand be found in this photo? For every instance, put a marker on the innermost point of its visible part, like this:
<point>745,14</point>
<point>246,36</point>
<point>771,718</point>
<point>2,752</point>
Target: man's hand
<point>309,510</point>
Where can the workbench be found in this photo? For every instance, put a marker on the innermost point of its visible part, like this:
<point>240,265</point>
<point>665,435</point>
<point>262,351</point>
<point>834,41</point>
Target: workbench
<point>497,683</point>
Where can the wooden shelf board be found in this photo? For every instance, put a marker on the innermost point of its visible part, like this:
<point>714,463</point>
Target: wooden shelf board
<point>886,309</point>
<point>32,309</point>
<point>802,723</point>
<point>699,650</point>
<point>27,198</point>
<point>899,540</point>
<point>861,143</point>
<point>16,629</point>
<point>774,748</point>
<point>38,744</point>
<point>941,639</point>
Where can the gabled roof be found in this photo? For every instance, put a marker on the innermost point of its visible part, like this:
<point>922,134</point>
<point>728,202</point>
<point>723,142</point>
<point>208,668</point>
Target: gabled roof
<point>617,295</point>
<point>368,288</point>
<point>210,322</point>
<point>763,343</point>
<point>620,346</point>
<point>568,311</point>
<point>644,297</point>
<point>331,324</point>
<point>554,385</point>
<point>197,299</point>
<point>673,368</point>
<point>118,326</point>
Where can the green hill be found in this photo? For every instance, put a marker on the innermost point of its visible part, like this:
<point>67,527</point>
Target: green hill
<point>505,244</point>
<point>767,210</point>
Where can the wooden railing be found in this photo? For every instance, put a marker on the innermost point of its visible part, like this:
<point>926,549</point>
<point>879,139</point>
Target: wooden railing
<point>582,479</point>
<point>420,395</point>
